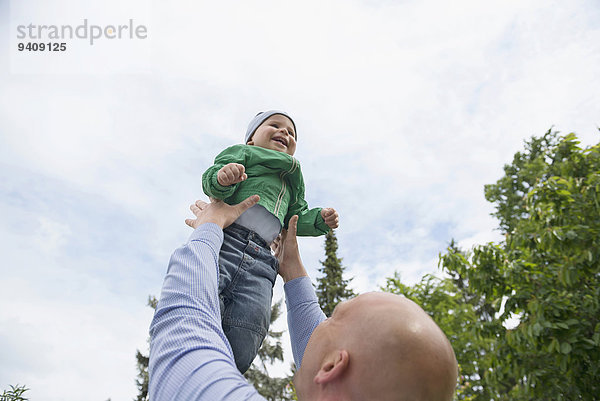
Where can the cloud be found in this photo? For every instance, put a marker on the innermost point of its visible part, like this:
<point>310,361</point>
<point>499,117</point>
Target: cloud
<point>405,110</point>
<point>50,235</point>
<point>80,343</point>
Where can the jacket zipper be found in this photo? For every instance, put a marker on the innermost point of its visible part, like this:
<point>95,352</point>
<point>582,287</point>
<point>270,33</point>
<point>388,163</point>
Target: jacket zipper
<point>284,186</point>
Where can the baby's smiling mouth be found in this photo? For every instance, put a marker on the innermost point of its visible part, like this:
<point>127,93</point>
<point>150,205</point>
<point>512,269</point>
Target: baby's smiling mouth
<point>280,140</point>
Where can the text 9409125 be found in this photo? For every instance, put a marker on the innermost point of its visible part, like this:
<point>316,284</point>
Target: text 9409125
<point>41,47</point>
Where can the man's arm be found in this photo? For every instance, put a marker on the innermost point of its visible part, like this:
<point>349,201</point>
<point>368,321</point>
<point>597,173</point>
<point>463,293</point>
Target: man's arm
<point>190,357</point>
<point>303,311</point>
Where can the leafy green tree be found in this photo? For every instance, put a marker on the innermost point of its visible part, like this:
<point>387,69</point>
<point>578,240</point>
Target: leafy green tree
<point>532,301</point>
<point>457,317</point>
<point>14,394</point>
<point>142,360</point>
<point>332,288</point>
<point>272,388</point>
<point>552,267</point>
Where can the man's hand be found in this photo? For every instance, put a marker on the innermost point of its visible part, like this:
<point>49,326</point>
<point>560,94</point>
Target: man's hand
<point>286,251</point>
<point>231,173</point>
<point>219,212</point>
<point>331,217</point>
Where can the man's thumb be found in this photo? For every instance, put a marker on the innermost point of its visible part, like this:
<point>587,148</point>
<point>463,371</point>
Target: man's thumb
<point>293,225</point>
<point>248,203</point>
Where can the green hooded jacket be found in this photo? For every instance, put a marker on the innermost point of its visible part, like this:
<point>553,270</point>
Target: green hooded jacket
<point>276,177</point>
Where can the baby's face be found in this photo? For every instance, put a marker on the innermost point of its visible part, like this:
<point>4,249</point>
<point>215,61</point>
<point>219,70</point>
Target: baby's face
<point>275,133</point>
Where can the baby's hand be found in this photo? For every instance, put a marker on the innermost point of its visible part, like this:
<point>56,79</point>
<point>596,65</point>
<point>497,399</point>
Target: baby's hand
<point>331,217</point>
<point>231,173</point>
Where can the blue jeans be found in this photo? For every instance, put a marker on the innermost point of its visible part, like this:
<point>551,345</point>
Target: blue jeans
<point>247,273</point>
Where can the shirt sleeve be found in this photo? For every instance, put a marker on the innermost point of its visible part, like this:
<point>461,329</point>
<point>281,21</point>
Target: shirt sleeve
<point>190,357</point>
<point>303,312</point>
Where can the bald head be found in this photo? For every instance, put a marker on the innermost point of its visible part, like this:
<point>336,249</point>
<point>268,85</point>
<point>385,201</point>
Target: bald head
<point>394,351</point>
<point>397,334</point>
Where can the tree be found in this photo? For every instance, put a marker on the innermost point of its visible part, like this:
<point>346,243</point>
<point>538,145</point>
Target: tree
<point>142,360</point>
<point>535,295</point>
<point>272,388</point>
<point>332,288</point>
<point>14,394</point>
<point>437,296</point>
<point>546,272</point>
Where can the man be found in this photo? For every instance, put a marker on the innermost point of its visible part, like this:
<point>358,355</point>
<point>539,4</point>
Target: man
<point>376,346</point>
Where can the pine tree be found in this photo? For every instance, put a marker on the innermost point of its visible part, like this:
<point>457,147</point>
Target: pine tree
<point>332,288</point>
<point>142,363</point>
<point>272,388</point>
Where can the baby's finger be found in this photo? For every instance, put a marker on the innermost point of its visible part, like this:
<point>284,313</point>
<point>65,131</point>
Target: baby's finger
<point>189,222</point>
<point>332,222</point>
<point>240,169</point>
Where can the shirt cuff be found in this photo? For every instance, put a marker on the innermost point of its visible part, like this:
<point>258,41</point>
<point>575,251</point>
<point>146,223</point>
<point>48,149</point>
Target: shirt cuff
<point>298,291</point>
<point>210,232</point>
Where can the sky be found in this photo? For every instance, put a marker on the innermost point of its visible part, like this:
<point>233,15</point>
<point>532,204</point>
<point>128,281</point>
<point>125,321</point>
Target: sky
<point>404,110</point>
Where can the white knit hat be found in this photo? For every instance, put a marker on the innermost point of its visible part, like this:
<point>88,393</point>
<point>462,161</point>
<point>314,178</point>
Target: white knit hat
<point>261,117</point>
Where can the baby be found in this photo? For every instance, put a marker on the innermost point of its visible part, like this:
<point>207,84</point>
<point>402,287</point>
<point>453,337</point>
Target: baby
<point>247,269</point>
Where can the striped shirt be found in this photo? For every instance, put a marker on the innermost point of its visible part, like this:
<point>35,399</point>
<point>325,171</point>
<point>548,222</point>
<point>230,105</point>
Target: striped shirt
<point>190,357</point>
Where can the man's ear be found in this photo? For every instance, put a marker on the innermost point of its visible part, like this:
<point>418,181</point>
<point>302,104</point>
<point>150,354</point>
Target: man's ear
<point>333,367</point>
